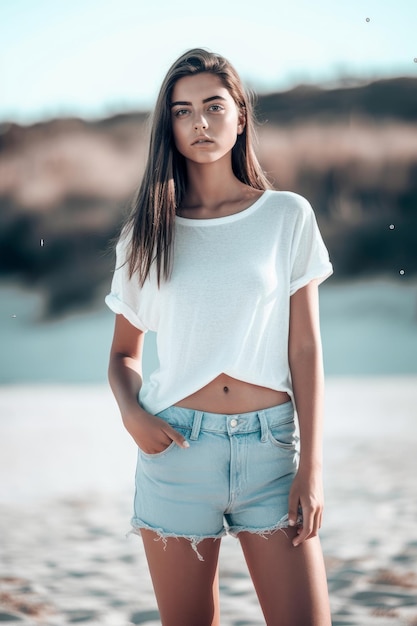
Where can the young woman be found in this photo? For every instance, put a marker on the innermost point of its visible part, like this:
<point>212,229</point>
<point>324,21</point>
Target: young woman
<point>226,271</point>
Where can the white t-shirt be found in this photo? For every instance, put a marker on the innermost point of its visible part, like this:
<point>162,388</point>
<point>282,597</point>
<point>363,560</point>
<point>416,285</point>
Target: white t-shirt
<point>226,306</point>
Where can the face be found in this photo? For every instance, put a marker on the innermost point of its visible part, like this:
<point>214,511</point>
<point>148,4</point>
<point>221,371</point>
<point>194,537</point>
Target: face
<point>205,118</point>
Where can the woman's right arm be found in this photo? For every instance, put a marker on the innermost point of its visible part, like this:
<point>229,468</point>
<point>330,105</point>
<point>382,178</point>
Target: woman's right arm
<point>152,434</point>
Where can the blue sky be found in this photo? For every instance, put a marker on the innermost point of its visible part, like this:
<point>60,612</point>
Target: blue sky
<point>94,58</point>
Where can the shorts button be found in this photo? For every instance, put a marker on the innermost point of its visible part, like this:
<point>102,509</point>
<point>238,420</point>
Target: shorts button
<point>233,422</point>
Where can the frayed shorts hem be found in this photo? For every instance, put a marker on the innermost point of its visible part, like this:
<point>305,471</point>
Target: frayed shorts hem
<point>233,531</point>
<point>163,536</point>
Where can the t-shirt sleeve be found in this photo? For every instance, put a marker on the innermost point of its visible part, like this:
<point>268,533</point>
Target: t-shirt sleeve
<point>125,292</point>
<point>310,258</point>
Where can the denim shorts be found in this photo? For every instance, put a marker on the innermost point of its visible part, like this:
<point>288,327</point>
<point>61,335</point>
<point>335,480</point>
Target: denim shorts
<point>234,477</point>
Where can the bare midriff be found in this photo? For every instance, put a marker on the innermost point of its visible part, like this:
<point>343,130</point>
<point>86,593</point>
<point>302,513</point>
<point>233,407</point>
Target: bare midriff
<point>228,395</point>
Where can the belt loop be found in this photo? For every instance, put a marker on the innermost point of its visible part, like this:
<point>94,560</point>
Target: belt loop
<point>264,426</point>
<point>198,416</point>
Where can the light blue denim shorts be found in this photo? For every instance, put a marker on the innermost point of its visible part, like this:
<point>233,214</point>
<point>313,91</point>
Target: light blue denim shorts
<point>234,477</point>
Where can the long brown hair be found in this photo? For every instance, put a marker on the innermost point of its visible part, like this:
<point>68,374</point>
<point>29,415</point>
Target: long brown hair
<point>164,181</point>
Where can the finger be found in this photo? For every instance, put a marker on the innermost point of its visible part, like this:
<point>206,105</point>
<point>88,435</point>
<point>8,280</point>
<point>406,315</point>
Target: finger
<point>317,523</point>
<point>175,436</point>
<point>306,530</point>
<point>293,503</point>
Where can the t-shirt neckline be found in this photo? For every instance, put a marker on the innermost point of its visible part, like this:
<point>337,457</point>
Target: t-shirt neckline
<point>225,219</point>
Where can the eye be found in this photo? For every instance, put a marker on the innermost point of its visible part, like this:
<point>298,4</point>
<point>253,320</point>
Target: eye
<point>216,108</point>
<point>180,112</point>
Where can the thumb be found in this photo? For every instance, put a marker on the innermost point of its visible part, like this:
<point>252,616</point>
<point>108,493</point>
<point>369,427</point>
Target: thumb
<point>179,439</point>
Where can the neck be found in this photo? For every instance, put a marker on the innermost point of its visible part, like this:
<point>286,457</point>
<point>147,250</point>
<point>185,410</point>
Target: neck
<point>210,184</point>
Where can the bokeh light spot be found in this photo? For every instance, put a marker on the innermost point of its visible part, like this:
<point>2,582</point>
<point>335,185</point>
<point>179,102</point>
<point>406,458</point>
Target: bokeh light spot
<point>402,272</point>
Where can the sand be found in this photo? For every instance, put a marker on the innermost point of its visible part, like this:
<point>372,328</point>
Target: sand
<point>66,482</point>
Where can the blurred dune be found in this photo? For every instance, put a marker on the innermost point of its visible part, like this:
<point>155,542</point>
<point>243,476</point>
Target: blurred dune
<point>66,184</point>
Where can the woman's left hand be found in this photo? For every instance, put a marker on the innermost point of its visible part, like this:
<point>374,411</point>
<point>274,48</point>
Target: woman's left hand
<point>306,492</point>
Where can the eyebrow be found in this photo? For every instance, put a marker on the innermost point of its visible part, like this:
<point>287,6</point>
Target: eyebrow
<point>183,103</point>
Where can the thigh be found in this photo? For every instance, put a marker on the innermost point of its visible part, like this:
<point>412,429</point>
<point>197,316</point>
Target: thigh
<point>290,581</point>
<point>186,588</point>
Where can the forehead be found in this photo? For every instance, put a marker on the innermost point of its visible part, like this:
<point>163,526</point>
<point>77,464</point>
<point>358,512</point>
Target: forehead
<point>197,87</point>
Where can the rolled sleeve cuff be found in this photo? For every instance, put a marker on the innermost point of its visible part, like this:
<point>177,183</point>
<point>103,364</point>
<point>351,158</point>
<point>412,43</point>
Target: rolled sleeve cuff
<point>119,307</point>
<point>319,274</point>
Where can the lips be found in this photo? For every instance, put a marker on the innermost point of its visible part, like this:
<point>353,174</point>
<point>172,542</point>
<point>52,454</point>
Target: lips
<point>202,140</point>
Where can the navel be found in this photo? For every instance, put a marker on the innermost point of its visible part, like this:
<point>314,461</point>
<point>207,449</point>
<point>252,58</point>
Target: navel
<point>225,389</point>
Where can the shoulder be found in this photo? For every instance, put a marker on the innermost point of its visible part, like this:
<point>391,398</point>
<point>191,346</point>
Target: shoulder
<point>288,204</point>
<point>288,199</point>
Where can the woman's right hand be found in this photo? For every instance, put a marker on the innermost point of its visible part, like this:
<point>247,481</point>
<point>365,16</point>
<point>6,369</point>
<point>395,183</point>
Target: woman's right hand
<point>151,433</point>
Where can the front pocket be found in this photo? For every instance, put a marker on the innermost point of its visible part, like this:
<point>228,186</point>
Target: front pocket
<point>283,435</point>
<point>157,455</point>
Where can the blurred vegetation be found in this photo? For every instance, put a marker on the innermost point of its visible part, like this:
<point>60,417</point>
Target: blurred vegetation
<point>65,185</point>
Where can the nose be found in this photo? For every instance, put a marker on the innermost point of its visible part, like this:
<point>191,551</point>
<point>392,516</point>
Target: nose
<point>200,123</point>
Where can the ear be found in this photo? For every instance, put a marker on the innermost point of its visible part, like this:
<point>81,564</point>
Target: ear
<point>241,123</point>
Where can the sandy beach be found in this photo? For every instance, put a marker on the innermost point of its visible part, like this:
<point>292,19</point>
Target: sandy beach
<point>66,484</point>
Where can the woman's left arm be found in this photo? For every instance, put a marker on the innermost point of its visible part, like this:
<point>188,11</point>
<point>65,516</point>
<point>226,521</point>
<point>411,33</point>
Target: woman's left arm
<point>306,366</point>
